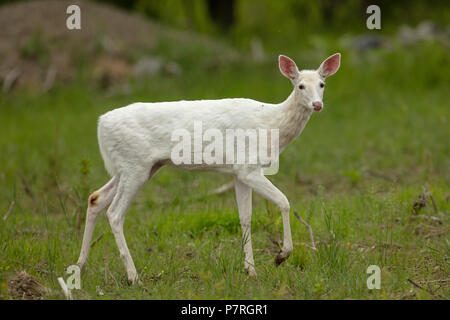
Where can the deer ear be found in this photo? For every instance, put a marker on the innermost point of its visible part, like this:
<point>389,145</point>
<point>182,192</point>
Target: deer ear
<point>330,65</point>
<point>288,67</point>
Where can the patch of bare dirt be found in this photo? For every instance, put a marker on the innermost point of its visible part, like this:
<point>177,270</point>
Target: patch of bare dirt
<point>26,287</point>
<point>36,47</point>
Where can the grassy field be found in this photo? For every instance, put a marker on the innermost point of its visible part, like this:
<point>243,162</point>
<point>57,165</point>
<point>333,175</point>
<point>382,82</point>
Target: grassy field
<point>354,175</point>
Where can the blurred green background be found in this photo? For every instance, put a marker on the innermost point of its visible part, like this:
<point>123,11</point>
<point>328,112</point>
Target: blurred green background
<point>370,174</point>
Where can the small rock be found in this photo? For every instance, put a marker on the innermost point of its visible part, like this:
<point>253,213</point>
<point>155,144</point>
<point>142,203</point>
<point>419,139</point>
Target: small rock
<point>99,291</point>
<point>148,66</point>
<point>436,219</point>
<point>367,42</point>
<point>406,35</point>
<point>427,30</point>
<point>173,68</point>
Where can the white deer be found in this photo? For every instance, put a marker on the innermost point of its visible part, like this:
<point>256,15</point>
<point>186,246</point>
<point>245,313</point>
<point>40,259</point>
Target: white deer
<point>135,141</point>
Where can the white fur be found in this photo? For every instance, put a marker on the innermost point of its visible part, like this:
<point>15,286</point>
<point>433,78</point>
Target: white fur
<point>135,141</point>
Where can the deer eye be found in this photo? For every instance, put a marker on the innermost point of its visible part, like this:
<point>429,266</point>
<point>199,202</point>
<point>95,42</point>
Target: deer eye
<point>301,86</point>
<point>322,84</point>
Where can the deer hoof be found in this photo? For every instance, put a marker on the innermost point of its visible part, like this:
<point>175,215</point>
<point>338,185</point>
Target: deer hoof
<point>280,258</point>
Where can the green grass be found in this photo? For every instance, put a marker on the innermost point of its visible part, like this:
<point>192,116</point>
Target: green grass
<point>354,175</point>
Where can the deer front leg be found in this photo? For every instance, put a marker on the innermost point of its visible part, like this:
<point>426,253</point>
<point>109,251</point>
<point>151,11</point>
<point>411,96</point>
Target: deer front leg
<point>258,182</point>
<point>244,202</point>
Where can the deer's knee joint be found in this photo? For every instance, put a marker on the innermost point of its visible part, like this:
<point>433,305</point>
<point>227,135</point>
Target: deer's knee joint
<point>284,205</point>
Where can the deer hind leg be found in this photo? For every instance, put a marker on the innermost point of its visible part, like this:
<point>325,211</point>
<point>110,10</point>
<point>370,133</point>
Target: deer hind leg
<point>98,201</point>
<point>128,187</point>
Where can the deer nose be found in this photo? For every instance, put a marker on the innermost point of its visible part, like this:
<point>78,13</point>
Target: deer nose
<point>317,105</point>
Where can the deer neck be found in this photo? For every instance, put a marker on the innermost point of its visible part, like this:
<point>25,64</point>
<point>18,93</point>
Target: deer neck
<point>291,119</point>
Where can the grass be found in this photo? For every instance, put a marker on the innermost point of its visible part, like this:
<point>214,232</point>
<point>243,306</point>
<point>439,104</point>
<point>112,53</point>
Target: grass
<point>354,175</point>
